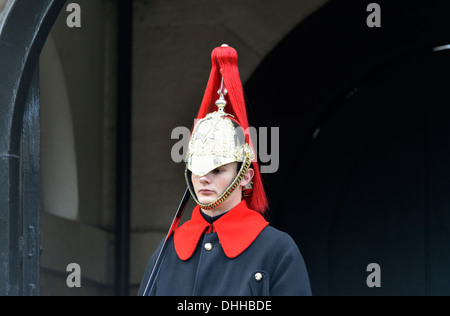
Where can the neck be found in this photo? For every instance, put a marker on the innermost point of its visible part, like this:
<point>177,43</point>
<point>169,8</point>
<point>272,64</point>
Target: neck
<point>214,212</point>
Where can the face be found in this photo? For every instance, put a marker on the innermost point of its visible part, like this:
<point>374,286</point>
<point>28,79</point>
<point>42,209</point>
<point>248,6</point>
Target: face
<point>210,186</point>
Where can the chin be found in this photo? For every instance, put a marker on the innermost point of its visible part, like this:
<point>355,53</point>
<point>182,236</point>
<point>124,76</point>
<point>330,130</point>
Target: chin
<point>206,201</point>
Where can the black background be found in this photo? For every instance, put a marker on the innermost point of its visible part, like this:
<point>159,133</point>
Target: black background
<point>374,184</point>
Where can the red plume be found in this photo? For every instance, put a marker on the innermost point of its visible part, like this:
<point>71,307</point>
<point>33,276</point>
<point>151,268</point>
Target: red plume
<point>225,64</point>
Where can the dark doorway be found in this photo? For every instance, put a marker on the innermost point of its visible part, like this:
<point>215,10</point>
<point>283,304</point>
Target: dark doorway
<point>364,171</point>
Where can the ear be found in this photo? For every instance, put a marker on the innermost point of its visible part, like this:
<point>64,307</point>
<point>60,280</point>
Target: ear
<point>248,176</point>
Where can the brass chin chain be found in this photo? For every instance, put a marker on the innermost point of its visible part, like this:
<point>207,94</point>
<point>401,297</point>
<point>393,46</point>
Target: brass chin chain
<point>226,193</point>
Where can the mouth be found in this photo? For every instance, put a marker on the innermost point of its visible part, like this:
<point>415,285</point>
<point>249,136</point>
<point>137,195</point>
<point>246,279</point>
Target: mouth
<point>206,191</point>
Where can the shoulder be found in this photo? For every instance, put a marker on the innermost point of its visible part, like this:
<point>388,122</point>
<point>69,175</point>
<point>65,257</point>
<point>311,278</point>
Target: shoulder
<point>270,232</point>
<point>277,240</point>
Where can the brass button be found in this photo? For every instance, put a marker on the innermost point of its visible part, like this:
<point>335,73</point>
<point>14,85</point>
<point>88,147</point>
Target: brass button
<point>208,246</point>
<point>258,276</point>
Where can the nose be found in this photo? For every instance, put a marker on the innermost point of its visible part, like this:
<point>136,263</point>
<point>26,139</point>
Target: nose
<point>204,179</point>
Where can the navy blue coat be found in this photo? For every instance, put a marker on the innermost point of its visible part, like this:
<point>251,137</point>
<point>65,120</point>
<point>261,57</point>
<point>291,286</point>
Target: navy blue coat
<point>271,265</point>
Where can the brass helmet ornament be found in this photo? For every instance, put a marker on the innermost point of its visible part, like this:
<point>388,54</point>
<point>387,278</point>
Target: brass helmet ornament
<point>218,137</point>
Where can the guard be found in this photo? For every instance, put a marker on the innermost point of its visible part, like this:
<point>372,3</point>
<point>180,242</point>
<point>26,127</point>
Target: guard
<point>227,248</point>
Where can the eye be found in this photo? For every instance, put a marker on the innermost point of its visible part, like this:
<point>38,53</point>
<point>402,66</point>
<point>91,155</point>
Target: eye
<point>217,170</point>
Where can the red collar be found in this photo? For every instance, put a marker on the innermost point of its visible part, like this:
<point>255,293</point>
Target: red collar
<point>237,229</point>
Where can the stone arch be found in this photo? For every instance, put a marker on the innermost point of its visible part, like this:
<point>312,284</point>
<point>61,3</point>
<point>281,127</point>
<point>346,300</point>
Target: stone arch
<point>24,26</point>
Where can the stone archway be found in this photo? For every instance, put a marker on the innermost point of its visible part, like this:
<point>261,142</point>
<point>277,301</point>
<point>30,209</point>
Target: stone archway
<point>24,27</point>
